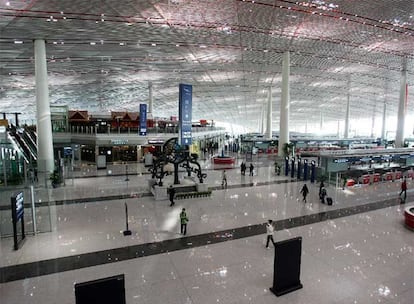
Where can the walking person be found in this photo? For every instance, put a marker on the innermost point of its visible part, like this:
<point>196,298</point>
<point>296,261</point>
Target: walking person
<point>171,192</point>
<point>304,192</point>
<point>321,186</point>
<point>403,190</point>
<point>251,168</point>
<point>269,232</point>
<point>184,221</point>
<point>323,195</point>
<point>243,168</point>
<point>224,179</point>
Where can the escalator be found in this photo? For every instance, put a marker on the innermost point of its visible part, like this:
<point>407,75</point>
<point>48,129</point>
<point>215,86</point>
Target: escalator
<point>30,139</point>
<point>23,143</point>
<point>32,136</point>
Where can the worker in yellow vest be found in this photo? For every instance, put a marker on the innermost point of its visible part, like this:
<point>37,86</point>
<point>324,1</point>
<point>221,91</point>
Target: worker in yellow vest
<point>184,221</point>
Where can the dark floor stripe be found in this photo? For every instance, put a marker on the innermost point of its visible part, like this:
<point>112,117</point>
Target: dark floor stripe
<point>138,194</point>
<point>45,267</point>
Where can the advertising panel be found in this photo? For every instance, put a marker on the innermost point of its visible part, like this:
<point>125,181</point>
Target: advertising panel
<point>18,206</point>
<point>143,119</point>
<point>185,113</point>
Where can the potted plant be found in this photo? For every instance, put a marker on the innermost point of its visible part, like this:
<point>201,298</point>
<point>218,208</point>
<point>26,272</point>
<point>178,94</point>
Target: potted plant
<point>54,178</point>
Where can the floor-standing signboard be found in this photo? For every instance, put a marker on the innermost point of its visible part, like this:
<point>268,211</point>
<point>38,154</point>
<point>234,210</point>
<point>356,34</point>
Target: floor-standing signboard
<point>103,291</point>
<point>286,273</point>
<point>142,119</point>
<point>17,207</point>
<point>185,113</point>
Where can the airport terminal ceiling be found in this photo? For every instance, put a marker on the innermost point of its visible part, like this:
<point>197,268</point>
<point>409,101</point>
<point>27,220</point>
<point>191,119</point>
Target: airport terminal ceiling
<point>101,56</point>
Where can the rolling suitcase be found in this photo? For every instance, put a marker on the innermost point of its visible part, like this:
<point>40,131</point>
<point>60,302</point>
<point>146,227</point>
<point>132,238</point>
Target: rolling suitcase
<point>329,201</point>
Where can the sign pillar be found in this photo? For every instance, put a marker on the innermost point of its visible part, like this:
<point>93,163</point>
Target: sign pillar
<point>143,119</point>
<point>17,206</point>
<point>185,114</point>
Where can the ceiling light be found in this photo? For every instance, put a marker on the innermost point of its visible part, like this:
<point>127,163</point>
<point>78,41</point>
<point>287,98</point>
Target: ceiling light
<point>7,3</point>
<point>265,51</point>
<point>153,44</point>
<point>203,46</point>
<point>121,43</point>
<point>177,45</point>
<point>18,42</point>
<point>92,43</point>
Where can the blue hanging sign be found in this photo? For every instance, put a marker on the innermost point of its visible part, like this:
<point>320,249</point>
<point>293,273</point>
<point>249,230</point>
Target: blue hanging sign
<point>185,113</point>
<point>143,119</point>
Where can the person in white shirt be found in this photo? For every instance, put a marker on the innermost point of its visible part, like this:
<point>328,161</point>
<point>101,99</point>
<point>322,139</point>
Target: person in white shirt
<point>269,231</point>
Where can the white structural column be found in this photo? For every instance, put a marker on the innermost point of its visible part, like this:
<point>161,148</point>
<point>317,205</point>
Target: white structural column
<point>269,115</point>
<point>338,134</point>
<point>399,137</point>
<point>262,119</point>
<point>321,121</point>
<point>348,107</point>
<point>384,119</point>
<point>284,104</point>
<point>150,99</point>
<point>373,122</point>
<point>45,161</point>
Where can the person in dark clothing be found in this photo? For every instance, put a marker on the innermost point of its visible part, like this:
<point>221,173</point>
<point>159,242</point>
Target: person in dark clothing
<point>183,221</point>
<point>251,168</point>
<point>224,179</point>
<point>403,190</point>
<point>323,195</point>
<point>243,168</point>
<point>320,187</point>
<point>304,192</point>
<point>171,192</point>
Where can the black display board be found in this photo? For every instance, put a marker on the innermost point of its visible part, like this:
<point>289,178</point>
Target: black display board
<point>286,275</point>
<point>17,207</point>
<point>109,290</point>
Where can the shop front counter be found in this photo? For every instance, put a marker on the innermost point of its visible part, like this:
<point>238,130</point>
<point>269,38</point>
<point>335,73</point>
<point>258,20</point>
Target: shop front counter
<point>398,175</point>
<point>377,177</point>
<point>365,179</point>
<point>350,182</point>
<point>409,216</point>
<point>389,176</point>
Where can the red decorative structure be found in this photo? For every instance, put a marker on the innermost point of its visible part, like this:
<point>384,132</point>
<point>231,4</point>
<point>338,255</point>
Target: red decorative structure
<point>223,160</point>
<point>377,177</point>
<point>409,216</point>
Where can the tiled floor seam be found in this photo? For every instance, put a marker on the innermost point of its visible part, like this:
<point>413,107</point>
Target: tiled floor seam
<point>138,194</point>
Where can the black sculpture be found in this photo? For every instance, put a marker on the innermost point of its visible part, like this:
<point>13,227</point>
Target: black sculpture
<point>173,153</point>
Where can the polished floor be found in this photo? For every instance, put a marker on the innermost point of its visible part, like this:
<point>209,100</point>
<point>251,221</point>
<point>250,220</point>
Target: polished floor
<point>355,251</point>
